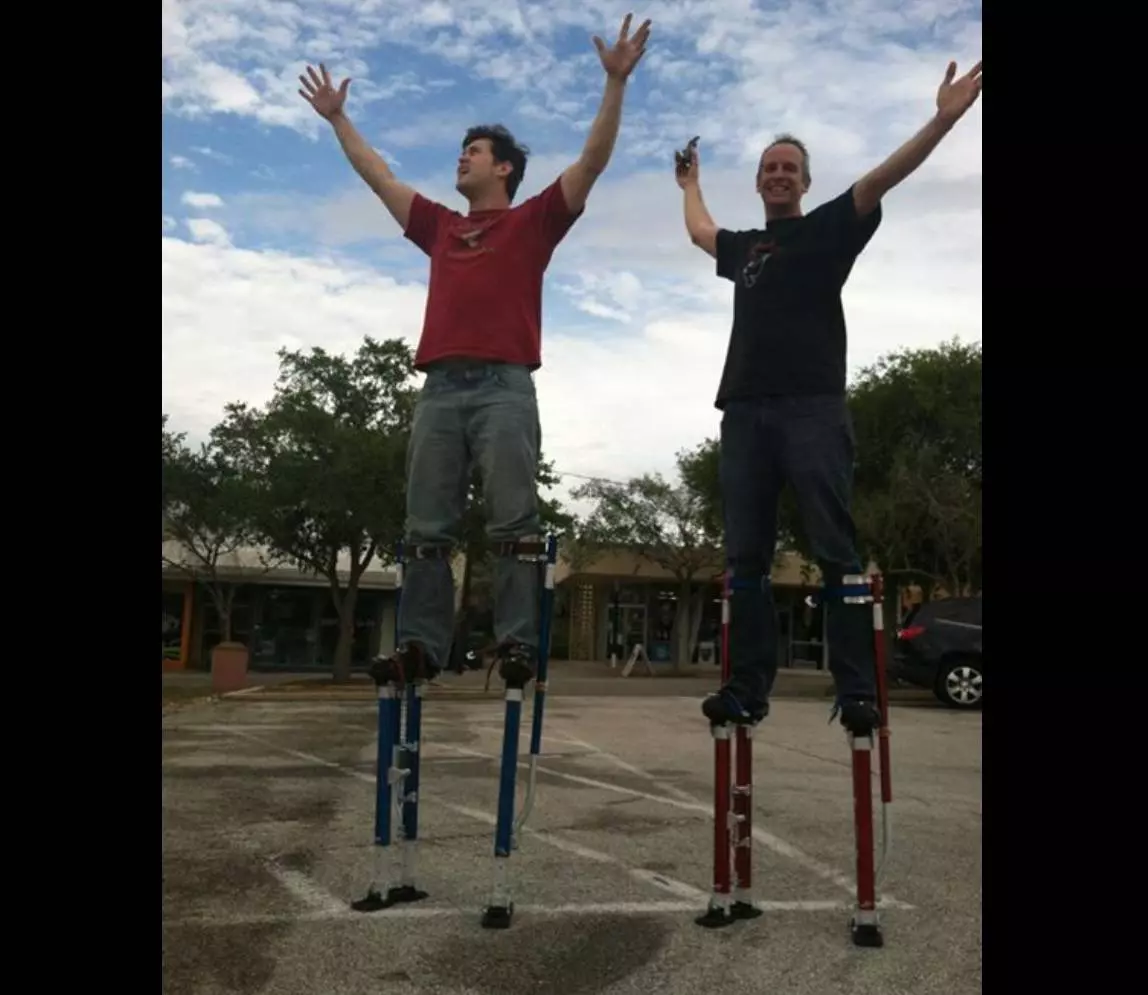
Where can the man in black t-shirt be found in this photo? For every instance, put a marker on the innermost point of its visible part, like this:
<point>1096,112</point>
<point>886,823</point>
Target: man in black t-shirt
<point>783,402</point>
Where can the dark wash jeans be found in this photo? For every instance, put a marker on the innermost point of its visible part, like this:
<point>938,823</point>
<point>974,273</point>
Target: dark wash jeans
<point>808,442</point>
<point>471,413</point>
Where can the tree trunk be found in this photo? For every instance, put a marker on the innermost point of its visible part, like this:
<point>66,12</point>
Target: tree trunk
<point>697,610</point>
<point>345,643</point>
<point>223,595</point>
<point>684,628</point>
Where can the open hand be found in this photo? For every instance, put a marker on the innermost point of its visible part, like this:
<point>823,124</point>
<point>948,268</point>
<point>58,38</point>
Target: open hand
<point>686,164</point>
<point>319,93</point>
<point>953,99</point>
<point>620,60</point>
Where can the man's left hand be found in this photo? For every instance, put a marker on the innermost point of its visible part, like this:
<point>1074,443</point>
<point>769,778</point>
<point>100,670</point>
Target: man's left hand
<point>953,99</point>
<point>620,60</point>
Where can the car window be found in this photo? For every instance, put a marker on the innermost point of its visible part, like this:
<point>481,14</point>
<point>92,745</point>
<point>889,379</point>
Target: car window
<point>967,610</point>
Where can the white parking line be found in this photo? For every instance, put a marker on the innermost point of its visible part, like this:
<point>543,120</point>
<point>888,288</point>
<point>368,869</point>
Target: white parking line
<point>662,881</point>
<point>317,899</point>
<point>346,914</point>
<point>774,843</point>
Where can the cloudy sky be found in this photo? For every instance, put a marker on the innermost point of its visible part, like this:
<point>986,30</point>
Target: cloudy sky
<point>270,239</point>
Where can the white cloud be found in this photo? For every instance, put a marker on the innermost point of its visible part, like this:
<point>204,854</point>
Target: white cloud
<point>201,200</point>
<point>207,230</point>
<point>227,310</point>
<point>181,162</point>
<point>169,223</point>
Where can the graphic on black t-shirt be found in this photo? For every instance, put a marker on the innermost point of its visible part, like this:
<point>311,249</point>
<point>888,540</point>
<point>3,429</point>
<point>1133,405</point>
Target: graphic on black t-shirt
<point>788,335</point>
<point>759,254</point>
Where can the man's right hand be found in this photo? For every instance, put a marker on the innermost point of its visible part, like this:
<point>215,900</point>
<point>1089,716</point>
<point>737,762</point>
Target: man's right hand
<point>699,224</point>
<point>320,94</point>
<point>686,164</point>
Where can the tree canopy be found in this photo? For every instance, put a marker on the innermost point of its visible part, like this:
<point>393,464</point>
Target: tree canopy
<point>329,450</point>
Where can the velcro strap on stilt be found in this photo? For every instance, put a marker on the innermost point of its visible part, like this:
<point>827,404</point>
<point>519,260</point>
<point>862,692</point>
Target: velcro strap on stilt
<point>528,549</point>
<point>850,594</point>
<point>429,552</point>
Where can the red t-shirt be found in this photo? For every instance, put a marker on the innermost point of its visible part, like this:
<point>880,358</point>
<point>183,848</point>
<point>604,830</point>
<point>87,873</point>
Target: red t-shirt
<point>484,300</point>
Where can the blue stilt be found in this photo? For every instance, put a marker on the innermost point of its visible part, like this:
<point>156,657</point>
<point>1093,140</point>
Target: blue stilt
<point>538,710</point>
<point>499,912</point>
<point>501,908</point>
<point>393,784</point>
<point>410,795</point>
<point>546,612</point>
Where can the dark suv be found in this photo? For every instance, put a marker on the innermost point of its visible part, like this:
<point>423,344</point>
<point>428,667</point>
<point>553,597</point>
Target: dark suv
<point>939,648</point>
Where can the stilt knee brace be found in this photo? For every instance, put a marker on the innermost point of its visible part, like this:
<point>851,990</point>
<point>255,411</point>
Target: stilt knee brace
<point>853,589</point>
<point>527,549</point>
<point>429,551</point>
<point>750,575</point>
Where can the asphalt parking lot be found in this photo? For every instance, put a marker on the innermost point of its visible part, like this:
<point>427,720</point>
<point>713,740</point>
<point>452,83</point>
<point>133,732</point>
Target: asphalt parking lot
<point>268,814</point>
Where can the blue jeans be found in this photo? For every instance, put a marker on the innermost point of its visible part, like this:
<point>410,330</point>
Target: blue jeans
<point>807,441</point>
<point>470,414</point>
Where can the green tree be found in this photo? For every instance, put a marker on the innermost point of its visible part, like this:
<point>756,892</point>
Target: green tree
<point>917,418</point>
<point>209,509</point>
<point>173,445</point>
<point>671,525</point>
<point>330,451</point>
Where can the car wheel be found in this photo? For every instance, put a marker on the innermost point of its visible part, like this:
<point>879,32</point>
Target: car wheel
<point>960,683</point>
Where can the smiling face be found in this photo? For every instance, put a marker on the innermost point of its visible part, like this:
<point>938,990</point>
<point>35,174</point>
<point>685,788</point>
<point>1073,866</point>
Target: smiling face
<point>782,179</point>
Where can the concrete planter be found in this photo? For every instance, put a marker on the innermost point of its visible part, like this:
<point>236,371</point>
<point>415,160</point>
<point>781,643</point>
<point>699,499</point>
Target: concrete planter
<point>229,667</point>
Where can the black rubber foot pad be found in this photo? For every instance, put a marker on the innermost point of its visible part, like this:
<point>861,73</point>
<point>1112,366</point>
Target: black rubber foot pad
<point>497,916</point>
<point>375,902</point>
<point>867,935</point>
<point>372,902</point>
<point>714,918</point>
<point>405,893</point>
<point>744,910</point>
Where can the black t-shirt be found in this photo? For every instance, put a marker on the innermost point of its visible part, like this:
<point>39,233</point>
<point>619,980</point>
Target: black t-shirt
<point>788,333</point>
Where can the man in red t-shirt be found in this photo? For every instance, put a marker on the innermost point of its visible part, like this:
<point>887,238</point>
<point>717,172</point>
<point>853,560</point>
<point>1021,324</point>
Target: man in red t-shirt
<point>480,344</point>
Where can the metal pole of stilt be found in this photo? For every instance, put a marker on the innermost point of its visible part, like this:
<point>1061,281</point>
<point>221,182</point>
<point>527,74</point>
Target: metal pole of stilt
<point>743,907</point>
<point>719,911</point>
<point>409,750</point>
<point>379,894</point>
<point>883,733</point>
<point>545,614</point>
<point>865,925</point>
<point>499,912</point>
<point>404,772</point>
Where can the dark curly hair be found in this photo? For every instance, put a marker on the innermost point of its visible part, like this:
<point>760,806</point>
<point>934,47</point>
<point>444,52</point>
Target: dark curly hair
<point>505,149</point>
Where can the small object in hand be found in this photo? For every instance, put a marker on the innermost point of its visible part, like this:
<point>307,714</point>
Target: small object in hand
<point>684,159</point>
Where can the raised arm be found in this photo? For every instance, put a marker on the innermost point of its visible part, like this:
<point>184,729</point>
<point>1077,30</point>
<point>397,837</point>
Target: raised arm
<point>329,104</point>
<point>953,99</point>
<point>578,179</point>
<point>699,224</point>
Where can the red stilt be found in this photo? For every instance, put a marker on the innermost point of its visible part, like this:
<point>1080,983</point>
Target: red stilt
<point>866,926</point>
<point>743,810</point>
<point>721,909</point>
<point>743,907</point>
<point>882,693</point>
